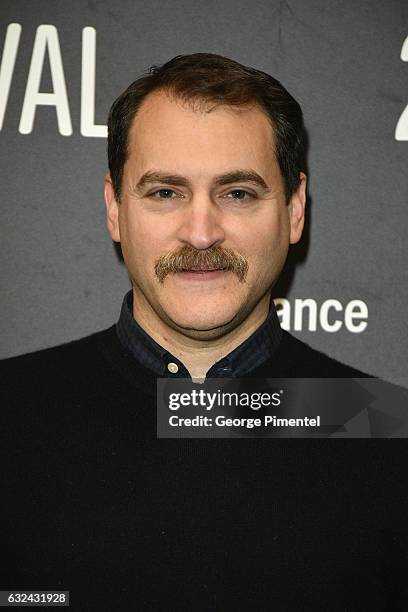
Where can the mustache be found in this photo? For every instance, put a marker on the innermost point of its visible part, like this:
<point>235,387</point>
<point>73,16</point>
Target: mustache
<point>189,258</point>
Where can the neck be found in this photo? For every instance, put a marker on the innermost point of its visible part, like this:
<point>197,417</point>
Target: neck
<point>197,355</point>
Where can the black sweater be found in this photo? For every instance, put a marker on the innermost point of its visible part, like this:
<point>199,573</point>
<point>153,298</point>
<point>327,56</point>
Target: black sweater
<point>94,503</point>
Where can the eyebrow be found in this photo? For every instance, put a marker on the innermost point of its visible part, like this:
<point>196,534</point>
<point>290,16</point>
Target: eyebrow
<point>159,177</point>
<point>235,176</point>
<point>241,176</point>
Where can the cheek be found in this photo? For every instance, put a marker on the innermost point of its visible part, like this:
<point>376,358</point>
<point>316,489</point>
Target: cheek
<point>267,249</point>
<point>264,238</point>
<point>144,238</point>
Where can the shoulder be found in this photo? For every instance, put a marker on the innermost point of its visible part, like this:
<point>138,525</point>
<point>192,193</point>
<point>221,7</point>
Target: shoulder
<point>37,373</point>
<point>298,359</point>
<point>61,353</point>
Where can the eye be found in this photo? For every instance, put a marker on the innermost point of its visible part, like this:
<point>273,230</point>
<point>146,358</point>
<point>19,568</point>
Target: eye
<point>239,194</point>
<point>164,194</point>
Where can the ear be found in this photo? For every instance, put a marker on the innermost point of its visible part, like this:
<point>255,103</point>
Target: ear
<point>112,209</point>
<point>296,207</point>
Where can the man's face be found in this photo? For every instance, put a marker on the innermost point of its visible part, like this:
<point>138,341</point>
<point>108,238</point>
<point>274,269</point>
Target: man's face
<point>199,182</point>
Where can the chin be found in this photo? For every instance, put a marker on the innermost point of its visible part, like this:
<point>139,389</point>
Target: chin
<point>207,324</point>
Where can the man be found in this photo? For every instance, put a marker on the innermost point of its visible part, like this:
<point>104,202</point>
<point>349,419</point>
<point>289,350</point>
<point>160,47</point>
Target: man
<point>205,194</point>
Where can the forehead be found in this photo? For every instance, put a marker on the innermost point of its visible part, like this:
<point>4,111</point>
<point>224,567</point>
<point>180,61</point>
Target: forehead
<point>168,133</point>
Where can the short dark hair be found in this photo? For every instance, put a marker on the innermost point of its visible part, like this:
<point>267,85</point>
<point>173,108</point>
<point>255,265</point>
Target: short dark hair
<point>209,78</point>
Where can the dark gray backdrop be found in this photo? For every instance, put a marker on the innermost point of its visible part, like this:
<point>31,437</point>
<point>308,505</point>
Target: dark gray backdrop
<point>342,60</point>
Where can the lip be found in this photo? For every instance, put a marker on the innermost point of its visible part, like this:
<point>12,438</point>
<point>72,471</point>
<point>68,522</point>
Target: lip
<point>201,275</point>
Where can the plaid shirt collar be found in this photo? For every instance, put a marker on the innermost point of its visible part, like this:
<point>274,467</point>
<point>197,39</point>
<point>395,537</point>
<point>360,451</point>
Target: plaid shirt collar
<point>246,357</point>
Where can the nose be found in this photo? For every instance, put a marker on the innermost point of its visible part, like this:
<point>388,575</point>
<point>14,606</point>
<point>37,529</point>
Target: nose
<point>201,225</point>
